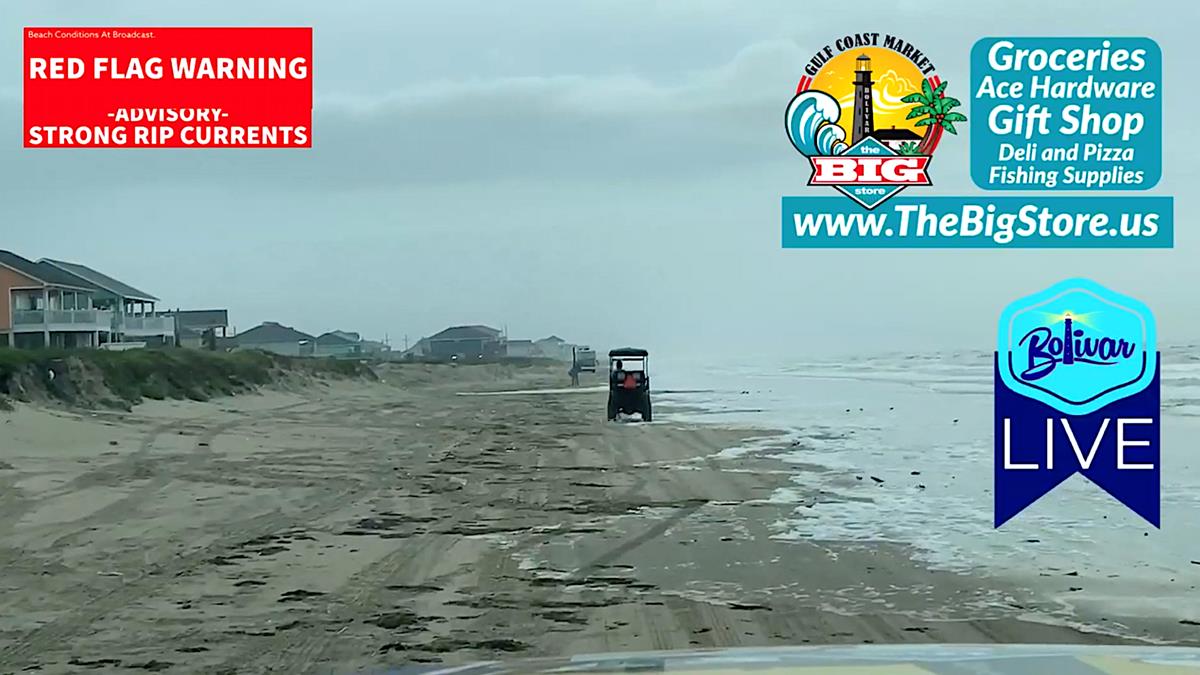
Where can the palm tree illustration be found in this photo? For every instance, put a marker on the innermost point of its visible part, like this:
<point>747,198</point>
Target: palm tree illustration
<point>936,108</point>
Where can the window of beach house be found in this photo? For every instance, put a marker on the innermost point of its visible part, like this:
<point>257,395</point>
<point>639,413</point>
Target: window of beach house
<point>27,300</point>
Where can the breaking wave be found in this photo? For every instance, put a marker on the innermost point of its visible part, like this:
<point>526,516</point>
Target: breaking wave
<point>812,124</point>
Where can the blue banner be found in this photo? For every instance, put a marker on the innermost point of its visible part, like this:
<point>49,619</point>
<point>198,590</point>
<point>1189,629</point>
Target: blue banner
<point>1066,113</point>
<point>1038,447</point>
<point>1077,391</point>
<point>980,222</point>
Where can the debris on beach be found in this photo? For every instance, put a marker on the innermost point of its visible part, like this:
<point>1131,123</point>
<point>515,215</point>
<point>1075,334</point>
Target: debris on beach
<point>298,595</point>
<point>152,665</point>
<point>876,479</point>
<point>394,620</point>
<point>97,663</point>
<point>747,606</point>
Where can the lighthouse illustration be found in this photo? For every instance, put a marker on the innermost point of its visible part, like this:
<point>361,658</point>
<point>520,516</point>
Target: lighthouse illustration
<point>864,116</point>
<point>1068,344</point>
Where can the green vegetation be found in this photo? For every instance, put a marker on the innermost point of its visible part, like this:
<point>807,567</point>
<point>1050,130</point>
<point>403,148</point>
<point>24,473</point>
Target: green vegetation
<point>936,106</point>
<point>908,148</point>
<point>120,379</point>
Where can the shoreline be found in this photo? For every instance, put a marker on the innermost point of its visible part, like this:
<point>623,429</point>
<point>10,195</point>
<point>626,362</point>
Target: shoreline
<point>1047,595</point>
<point>357,525</point>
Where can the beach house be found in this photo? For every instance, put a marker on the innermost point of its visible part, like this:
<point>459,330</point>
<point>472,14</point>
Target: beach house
<point>43,306</point>
<point>338,343</point>
<point>467,342</point>
<point>276,338</point>
<point>520,348</point>
<point>553,347</point>
<point>134,318</point>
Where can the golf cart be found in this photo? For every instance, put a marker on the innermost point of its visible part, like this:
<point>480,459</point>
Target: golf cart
<point>628,383</point>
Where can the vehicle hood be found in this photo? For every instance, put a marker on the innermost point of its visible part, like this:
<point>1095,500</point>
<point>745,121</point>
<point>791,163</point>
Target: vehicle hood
<point>860,660</point>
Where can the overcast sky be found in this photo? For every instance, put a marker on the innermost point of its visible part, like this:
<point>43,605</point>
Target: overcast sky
<point>606,171</point>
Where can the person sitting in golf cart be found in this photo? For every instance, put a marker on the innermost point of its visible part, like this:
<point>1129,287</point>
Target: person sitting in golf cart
<point>629,385</point>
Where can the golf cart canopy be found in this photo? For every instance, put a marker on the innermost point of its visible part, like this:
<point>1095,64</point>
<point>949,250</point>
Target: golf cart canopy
<point>630,358</point>
<point>628,351</point>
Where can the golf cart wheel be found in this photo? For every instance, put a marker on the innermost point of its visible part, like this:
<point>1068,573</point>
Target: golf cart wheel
<point>612,410</point>
<point>646,416</point>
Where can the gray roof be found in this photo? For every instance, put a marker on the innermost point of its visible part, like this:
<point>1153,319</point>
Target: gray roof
<point>44,273</point>
<point>338,337</point>
<point>101,281</point>
<point>199,318</point>
<point>467,333</point>
<point>552,338</point>
<point>269,333</point>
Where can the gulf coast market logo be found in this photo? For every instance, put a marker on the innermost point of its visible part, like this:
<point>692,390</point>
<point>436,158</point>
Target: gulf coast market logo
<point>882,94</point>
<point>1076,391</point>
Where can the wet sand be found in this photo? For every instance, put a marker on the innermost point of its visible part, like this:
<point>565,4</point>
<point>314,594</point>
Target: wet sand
<point>357,525</point>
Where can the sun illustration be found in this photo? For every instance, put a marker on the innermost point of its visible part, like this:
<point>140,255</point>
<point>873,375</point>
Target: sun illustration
<point>907,112</point>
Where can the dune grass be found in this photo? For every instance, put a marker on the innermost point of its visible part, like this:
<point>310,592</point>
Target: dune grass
<point>137,374</point>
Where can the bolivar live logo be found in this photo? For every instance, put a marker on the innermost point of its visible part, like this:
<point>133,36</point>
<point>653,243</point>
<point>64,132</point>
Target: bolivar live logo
<point>1077,390</point>
<point>895,121</point>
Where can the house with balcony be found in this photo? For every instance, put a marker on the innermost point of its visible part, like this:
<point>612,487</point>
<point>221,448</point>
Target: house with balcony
<point>134,318</point>
<point>43,306</point>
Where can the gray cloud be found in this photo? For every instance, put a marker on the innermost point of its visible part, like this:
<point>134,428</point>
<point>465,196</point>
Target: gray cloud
<point>515,162</point>
<point>507,128</point>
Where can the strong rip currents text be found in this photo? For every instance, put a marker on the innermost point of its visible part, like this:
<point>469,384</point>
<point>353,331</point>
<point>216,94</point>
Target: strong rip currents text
<point>168,87</point>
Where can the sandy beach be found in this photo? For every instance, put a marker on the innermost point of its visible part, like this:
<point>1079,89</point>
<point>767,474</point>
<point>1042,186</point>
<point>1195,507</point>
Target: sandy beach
<point>353,525</point>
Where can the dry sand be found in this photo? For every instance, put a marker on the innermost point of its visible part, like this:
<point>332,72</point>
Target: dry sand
<point>356,525</point>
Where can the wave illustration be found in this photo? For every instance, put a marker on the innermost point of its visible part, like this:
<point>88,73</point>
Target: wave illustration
<point>812,124</point>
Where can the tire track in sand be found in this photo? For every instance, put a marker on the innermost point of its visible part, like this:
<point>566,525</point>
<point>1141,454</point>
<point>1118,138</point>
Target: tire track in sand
<point>140,459</point>
<point>58,631</point>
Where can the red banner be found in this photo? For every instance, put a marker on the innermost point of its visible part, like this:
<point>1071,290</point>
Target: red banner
<point>168,87</point>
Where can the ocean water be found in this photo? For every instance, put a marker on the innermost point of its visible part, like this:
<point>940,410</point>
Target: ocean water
<point>898,448</point>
